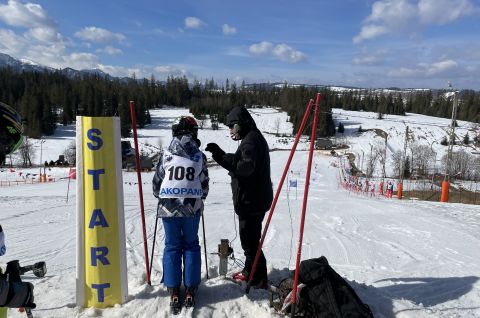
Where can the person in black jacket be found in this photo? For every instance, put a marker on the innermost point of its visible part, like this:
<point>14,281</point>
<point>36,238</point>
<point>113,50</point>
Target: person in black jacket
<point>249,169</point>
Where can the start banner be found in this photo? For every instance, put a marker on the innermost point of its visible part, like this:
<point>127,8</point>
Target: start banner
<point>101,259</point>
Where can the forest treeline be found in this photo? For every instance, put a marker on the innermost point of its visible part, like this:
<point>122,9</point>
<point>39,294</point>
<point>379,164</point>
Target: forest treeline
<point>45,99</point>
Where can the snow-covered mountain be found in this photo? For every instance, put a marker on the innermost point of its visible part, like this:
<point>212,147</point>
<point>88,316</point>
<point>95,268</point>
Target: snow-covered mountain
<point>19,65</point>
<point>30,66</point>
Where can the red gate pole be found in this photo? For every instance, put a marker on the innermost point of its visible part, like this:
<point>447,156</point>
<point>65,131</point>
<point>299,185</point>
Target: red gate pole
<point>272,208</point>
<point>140,191</point>
<point>305,199</point>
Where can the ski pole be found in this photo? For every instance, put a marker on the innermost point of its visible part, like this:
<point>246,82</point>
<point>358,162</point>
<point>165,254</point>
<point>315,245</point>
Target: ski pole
<point>204,244</point>
<point>153,246</point>
<point>272,208</point>
<point>304,206</point>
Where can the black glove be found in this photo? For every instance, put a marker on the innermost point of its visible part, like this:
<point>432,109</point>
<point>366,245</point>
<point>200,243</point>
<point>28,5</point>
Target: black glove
<point>214,149</point>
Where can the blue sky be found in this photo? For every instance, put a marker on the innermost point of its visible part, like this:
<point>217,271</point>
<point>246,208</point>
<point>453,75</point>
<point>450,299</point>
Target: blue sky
<point>404,43</point>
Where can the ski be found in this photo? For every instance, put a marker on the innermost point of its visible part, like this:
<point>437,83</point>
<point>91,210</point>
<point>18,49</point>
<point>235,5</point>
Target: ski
<point>175,305</point>
<point>189,301</point>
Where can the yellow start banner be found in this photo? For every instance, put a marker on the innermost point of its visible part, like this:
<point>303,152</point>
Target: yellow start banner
<point>101,259</point>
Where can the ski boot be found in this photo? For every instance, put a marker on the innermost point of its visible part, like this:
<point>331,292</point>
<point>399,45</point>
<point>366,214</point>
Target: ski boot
<point>240,277</point>
<point>190,297</point>
<point>175,305</point>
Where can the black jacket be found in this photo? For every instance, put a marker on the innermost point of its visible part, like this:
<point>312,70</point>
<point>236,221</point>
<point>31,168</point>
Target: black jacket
<point>249,168</point>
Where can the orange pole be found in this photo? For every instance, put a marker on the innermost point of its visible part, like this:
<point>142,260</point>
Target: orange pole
<point>445,187</point>
<point>380,187</point>
<point>399,190</point>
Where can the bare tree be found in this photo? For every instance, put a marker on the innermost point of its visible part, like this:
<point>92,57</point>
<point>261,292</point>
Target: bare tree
<point>376,152</point>
<point>422,155</point>
<point>70,152</point>
<point>397,161</point>
<point>27,153</point>
<point>462,164</point>
<point>276,124</point>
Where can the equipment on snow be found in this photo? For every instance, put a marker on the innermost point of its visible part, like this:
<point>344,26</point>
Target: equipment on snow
<point>322,292</point>
<point>205,244</point>
<point>190,297</point>
<point>224,251</point>
<point>153,246</point>
<point>175,305</point>
<point>20,294</point>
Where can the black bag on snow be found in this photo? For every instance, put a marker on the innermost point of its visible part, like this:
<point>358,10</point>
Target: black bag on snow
<point>328,293</point>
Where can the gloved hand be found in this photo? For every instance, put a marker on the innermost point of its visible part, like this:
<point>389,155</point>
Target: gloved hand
<point>214,149</point>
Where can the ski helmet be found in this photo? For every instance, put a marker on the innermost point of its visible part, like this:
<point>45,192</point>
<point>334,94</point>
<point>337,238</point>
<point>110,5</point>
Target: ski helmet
<point>11,130</point>
<point>185,125</point>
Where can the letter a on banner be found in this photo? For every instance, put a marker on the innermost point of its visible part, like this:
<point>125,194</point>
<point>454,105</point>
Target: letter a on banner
<point>101,259</point>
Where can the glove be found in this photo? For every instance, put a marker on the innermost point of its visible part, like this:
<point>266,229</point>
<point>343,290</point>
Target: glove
<point>213,148</point>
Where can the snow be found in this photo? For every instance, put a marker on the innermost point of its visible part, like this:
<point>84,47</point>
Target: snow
<point>404,258</point>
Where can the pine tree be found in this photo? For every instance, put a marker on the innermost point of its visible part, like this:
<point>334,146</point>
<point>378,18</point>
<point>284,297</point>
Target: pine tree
<point>466,139</point>
<point>444,141</point>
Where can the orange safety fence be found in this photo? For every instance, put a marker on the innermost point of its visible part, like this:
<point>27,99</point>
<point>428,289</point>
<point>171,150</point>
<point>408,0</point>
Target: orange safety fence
<point>25,181</point>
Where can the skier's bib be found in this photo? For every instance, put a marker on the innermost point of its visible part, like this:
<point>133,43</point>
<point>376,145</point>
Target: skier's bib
<point>181,177</point>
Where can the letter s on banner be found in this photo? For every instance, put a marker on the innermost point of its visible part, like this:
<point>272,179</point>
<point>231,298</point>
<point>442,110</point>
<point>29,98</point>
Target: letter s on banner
<point>101,257</point>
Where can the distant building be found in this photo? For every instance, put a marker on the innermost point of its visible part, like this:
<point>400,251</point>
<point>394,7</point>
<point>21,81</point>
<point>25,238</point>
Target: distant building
<point>323,144</point>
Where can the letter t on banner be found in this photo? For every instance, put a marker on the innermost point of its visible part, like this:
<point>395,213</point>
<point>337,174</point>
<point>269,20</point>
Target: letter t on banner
<point>101,257</point>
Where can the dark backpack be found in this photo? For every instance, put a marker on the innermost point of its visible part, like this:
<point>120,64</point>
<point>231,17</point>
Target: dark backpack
<point>328,293</point>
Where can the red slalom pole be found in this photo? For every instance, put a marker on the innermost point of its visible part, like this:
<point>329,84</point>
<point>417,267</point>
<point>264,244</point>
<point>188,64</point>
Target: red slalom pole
<point>272,208</point>
<point>140,191</point>
<point>305,199</point>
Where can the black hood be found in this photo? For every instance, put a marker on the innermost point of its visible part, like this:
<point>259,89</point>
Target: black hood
<point>240,115</point>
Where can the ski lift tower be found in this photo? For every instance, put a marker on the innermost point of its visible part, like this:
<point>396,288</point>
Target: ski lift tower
<point>446,180</point>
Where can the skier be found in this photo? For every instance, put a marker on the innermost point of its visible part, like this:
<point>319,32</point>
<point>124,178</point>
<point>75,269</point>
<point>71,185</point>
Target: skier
<point>249,169</point>
<point>181,184</point>
<point>389,192</point>
<point>11,131</point>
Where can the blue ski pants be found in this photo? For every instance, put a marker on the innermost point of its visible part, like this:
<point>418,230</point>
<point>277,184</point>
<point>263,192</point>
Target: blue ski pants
<point>181,243</point>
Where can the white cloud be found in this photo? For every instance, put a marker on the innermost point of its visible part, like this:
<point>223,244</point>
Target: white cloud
<point>407,16</point>
<point>369,32</point>
<point>437,69</point>
<point>228,30</point>
<point>444,11</point>
<point>288,54</point>
<point>12,44</point>
<point>32,17</point>
<point>29,15</point>
<point>99,35</point>
<point>281,51</point>
<point>110,50</point>
<point>81,61</point>
<point>370,58</point>
<point>441,67</point>
<point>261,48</point>
<point>193,23</point>
<point>45,34</point>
